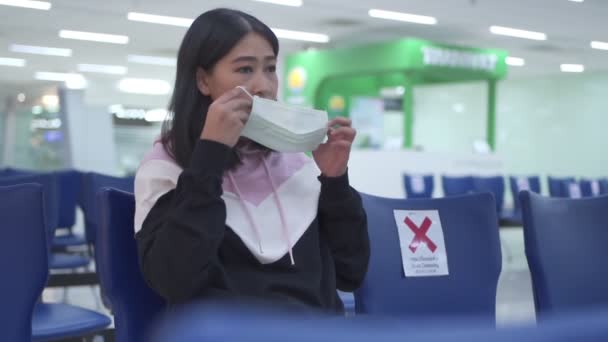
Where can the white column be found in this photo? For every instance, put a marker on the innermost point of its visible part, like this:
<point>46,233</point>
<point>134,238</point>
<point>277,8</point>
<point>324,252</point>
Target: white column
<point>89,134</point>
<point>8,137</point>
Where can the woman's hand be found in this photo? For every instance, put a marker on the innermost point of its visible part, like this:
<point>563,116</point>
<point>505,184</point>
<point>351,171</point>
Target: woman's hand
<point>332,156</point>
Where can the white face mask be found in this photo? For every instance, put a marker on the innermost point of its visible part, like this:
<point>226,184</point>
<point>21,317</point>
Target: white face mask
<point>285,128</point>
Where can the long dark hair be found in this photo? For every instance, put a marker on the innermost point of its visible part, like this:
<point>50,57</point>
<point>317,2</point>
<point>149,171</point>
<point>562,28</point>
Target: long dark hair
<point>210,37</point>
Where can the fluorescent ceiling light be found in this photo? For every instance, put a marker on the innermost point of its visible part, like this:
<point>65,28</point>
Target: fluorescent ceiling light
<point>292,3</point>
<point>399,16</point>
<point>72,81</point>
<point>94,37</point>
<point>152,60</point>
<point>577,0</point>
<point>515,61</point>
<point>52,76</point>
<point>103,69</point>
<point>599,45</point>
<point>50,102</point>
<point>159,19</point>
<point>298,35</point>
<point>144,86</point>
<point>40,50</point>
<point>40,5</point>
<point>512,32</point>
<point>13,62</point>
<point>572,67</point>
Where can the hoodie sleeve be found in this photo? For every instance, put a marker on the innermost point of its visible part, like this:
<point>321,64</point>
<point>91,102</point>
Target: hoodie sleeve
<point>183,227</point>
<point>343,219</point>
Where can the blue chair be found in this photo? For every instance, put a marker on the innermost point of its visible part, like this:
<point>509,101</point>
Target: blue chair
<point>217,324</point>
<point>11,172</point>
<point>565,242</point>
<point>418,186</point>
<point>519,184</point>
<point>57,261</point>
<point>571,189</point>
<point>69,184</point>
<point>494,185</point>
<point>470,227</point>
<point>456,186</point>
<point>91,184</point>
<point>556,188</point>
<point>591,187</point>
<point>25,238</point>
<point>134,304</point>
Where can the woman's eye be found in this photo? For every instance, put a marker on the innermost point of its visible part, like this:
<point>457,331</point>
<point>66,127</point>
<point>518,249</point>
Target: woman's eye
<point>245,70</point>
<point>272,68</point>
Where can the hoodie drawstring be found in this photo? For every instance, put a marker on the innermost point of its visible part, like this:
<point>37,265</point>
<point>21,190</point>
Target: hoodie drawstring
<point>279,207</point>
<point>247,212</point>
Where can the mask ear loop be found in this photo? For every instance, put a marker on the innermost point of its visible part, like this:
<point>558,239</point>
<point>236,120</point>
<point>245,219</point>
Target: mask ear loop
<point>245,90</point>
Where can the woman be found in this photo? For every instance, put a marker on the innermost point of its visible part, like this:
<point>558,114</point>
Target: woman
<point>221,217</point>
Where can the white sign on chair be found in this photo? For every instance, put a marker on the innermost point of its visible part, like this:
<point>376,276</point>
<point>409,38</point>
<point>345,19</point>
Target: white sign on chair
<point>423,251</point>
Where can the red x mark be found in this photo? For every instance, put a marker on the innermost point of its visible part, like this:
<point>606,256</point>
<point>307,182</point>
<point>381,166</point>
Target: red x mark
<point>420,234</point>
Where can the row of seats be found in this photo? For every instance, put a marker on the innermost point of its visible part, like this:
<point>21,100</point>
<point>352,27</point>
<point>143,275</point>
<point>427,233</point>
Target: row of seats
<point>216,323</point>
<point>422,186</point>
<point>62,192</point>
<point>565,243</point>
<point>563,280</point>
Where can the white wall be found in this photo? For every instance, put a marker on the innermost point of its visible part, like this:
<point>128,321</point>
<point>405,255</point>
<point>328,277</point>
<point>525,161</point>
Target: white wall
<point>554,125</point>
<point>545,125</point>
<point>450,117</point>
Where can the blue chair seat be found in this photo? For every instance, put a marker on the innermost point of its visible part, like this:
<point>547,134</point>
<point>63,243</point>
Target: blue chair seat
<point>67,261</point>
<point>70,239</point>
<point>57,321</point>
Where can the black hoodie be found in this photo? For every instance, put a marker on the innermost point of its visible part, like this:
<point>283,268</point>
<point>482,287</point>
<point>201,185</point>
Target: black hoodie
<point>198,235</point>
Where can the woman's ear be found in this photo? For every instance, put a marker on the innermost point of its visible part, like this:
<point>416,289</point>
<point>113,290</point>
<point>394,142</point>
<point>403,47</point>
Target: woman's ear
<point>202,82</point>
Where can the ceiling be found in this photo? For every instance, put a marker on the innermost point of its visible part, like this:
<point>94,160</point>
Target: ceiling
<point>570,27</point>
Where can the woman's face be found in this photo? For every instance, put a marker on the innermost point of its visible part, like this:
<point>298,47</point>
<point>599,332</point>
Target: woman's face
<point>251,63</point>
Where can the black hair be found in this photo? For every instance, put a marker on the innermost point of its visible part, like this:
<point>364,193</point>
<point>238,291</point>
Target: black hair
<point>210,37</point>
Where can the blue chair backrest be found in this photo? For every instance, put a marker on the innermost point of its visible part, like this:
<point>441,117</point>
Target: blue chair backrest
<point>91,184</point>
<point>566,243</point>
<point>23,258</point>
<point>69,185</point>
<point>48,181</point>
<point>418,186</point>
<point>571,189</point>
<point>470,228</point>
<point>494,185</point>
<point>213,324</point>
<point>134,304</point>
<point>556,188</point>
<point>604,187</point>
<point>11,172</point>
<point>456,186</point>
<point>519,184</point>
<point>591,187</point>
